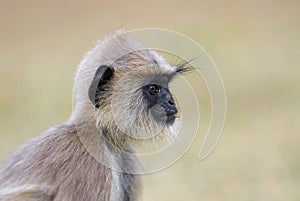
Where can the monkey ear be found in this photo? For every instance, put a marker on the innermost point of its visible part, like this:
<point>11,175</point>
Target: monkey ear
<point>101,78</point>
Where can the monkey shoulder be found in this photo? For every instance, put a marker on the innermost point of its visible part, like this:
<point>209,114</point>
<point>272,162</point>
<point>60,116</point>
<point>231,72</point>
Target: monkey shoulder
<point>56,160</point>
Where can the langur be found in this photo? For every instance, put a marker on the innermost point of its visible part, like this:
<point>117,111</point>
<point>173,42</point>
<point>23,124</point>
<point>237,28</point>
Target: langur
<point>120,93</point>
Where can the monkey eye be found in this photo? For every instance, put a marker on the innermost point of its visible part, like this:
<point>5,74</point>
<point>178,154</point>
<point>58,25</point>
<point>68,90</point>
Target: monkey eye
<point>153,89</point>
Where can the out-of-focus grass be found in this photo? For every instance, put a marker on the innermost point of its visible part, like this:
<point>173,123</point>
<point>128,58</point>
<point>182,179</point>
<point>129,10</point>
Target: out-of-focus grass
<point>254,43</point>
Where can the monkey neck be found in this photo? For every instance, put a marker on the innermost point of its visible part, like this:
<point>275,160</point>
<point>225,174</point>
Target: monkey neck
<point>107,145</point>
<point>114,138</point>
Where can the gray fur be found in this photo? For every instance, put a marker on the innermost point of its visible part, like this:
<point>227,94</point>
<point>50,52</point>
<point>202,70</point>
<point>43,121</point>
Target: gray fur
<point>80,160</point>
<point>55,166</point>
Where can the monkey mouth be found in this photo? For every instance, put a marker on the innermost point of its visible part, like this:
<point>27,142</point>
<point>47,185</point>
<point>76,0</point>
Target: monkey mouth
<point>166,119</point>
<point>170,119</point>
<point>171,113</point>
<point>164,116</point>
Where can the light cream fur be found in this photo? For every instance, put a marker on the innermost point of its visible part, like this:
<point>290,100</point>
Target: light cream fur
<point>73,161</point>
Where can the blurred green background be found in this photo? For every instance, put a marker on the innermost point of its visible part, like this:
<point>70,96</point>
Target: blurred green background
<point>255,44</point>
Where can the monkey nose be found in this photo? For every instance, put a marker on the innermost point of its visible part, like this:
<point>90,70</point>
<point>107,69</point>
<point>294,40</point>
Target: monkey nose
<point>171,101</point>
<point>170,108</point>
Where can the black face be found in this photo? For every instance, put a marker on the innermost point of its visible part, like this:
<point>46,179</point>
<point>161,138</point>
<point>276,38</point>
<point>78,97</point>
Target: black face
<point>160,103</point>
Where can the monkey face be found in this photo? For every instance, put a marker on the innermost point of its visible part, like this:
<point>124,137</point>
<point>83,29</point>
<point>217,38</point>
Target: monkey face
<point>160,103</point>
<point>138,99</point>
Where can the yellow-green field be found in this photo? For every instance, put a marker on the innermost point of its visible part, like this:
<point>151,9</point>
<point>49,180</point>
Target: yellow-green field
<point>255,44</point>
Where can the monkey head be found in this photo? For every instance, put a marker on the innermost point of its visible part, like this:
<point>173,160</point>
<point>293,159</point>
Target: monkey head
<point>128,91</point>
